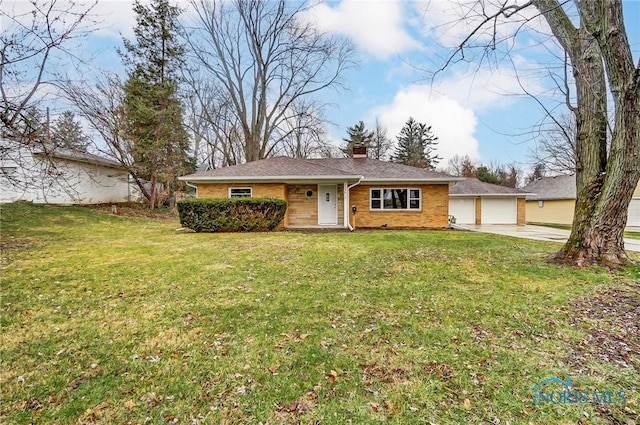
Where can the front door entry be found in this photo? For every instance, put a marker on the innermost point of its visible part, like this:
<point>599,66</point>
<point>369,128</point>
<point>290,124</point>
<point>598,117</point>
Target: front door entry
<point>327,204</point>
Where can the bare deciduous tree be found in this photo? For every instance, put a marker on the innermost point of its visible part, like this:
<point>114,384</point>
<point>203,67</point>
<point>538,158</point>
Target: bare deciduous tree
<point>556,148</point>
<point>31,41</point>
<point>599,53</point>
<point>380,143</point>
<point>303,134</point>
<point>103,109</point>
<point>212,122</point>
<point>264,56</point>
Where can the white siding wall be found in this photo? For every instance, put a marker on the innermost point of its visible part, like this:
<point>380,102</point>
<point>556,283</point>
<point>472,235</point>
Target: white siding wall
<point>35,178</point>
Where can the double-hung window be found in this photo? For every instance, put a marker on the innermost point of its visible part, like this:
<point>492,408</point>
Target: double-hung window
<point>395,199</point>
<point>240,192</point>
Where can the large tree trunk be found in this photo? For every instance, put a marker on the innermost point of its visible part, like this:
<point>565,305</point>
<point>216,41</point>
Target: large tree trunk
<point>605,185</point>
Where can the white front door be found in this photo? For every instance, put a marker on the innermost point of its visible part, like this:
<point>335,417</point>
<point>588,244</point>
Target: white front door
<point>327,204</point>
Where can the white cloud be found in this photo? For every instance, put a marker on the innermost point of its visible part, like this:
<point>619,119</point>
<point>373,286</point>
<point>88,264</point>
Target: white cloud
<point>377,27</point>
<point>451,22</point>
<point>453,123</point>
<point>485,89</point>
<point>116,18</point>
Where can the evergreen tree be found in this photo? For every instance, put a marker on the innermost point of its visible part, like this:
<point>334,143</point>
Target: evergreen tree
<point>154,112</point>
<point>484,174</point>
<point>29,127</point>
<point>66,132</point>
<point>416,146</point>
<point>358,135</point>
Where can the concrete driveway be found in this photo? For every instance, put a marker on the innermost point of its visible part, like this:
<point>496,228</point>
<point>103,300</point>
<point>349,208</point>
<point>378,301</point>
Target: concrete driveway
<point>540,233</point>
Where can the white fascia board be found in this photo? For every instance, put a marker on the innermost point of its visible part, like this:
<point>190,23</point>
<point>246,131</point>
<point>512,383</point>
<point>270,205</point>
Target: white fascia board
<point>399,180</point>
<point>107,163</point>
<point>488,195</point>
<point>268,179</point>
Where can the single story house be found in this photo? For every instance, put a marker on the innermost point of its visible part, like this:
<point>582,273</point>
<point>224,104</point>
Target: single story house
<point>553,201</point>
<point>475,202</point>
<point>46,174</point>
<point>337,192</point>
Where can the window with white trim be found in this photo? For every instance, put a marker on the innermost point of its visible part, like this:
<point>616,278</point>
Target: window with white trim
<point>240,192</point>
<point>395,199</point>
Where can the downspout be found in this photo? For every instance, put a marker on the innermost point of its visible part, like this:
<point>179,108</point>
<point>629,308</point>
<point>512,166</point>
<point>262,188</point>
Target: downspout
<point>193,186</point>
<point>346,203</point>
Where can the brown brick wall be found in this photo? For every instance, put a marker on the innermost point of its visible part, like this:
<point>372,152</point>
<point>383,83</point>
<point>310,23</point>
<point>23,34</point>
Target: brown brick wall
<point>434,213</point>
<point>260,190</point>
<point>522,211</point>
<point>302,210</point>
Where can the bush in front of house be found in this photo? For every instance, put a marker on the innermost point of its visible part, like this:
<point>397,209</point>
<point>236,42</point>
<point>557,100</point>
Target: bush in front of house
<point>232,214</point>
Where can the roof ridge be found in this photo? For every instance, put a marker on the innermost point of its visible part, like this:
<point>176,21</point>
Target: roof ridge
<point>308,160</point>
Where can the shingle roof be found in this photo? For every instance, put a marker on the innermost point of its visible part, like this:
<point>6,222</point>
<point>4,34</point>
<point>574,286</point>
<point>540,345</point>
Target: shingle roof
<point>373,169</point>
<point>549,188</point>
<point>337,168</point>
<point>75,155</point>
<point>473,186</point>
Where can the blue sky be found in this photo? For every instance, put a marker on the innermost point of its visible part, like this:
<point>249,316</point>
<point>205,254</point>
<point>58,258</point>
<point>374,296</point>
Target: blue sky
<point>475,107</point>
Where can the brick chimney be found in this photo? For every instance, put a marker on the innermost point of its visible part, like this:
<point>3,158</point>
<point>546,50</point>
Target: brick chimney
<point>359,150</point>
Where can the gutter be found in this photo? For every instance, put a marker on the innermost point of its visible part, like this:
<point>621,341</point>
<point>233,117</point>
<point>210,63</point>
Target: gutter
<point>346,203</point>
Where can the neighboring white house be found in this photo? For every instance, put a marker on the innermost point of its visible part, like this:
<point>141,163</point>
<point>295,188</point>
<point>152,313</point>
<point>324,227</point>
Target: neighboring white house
<point>51,175</point>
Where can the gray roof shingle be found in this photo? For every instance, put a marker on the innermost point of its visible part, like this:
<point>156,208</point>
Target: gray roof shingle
<point>473,186</point>
<point>549,188</point>
<point>75,155</point>
<point>343,168</point>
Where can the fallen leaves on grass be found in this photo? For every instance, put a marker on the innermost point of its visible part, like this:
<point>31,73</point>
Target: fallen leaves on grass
<point>374,372</point>
<point>611,317</point>
<point>440,370</point>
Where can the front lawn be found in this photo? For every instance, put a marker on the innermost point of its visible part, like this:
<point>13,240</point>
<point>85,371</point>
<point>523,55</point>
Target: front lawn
<point>109,319</point>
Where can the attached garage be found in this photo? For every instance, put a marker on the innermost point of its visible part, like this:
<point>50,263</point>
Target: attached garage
<point>633,219</point>
<point>463,209</point>
<point>499,211</point>
<point>474,202</point>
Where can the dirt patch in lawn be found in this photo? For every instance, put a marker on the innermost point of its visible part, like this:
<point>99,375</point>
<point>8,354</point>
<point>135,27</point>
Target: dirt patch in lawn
<point>611,318</point>
<point>137,210</point>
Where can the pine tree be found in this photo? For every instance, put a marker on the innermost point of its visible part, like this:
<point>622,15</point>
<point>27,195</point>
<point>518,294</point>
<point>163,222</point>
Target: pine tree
<point>66,132</point>
<point>154,112</point>
<point>416,146</point>
<point>29,128</point>
<point>484,174</point>
<point>358,135</point>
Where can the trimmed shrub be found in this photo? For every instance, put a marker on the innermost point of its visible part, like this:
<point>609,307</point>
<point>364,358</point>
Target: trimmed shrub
<point>232,214</point>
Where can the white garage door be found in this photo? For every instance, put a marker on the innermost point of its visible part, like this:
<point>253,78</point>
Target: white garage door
<point>463,209</point>
<point>633,218</point>
<point>499,211</point>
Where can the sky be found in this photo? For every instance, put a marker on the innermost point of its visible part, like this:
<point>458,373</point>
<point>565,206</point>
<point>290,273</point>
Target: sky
<point>476,107</point>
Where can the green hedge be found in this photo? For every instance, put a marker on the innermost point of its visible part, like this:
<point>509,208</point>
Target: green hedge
<point>231,215</point>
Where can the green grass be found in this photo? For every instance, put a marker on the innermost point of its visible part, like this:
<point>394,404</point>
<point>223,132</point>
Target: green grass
<point>119,320</point>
